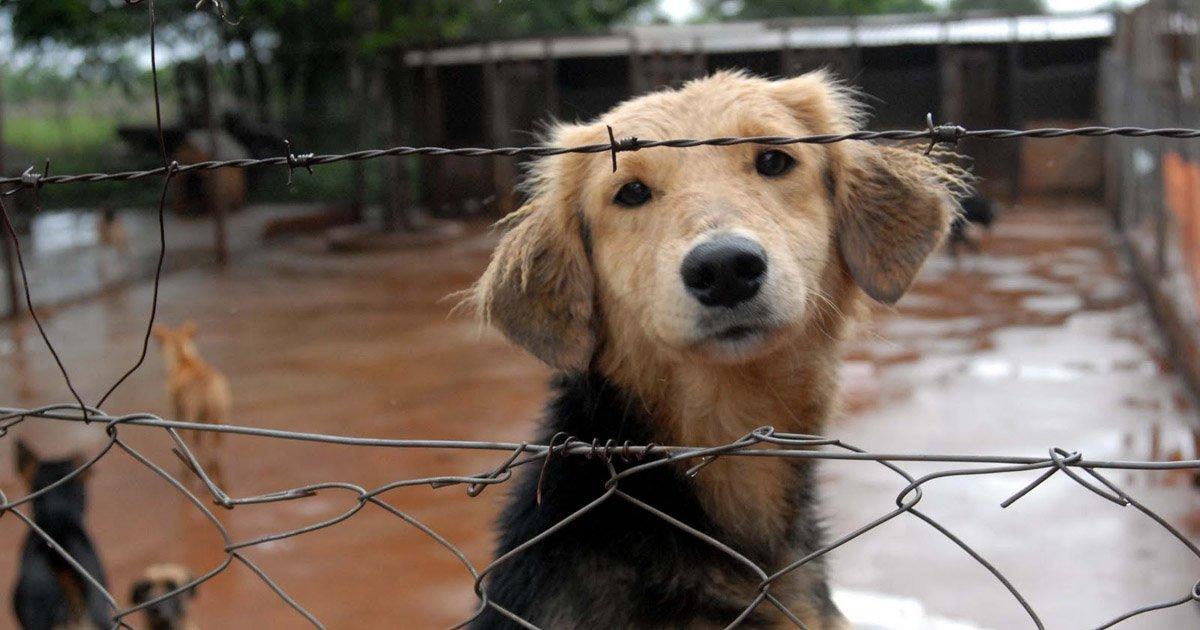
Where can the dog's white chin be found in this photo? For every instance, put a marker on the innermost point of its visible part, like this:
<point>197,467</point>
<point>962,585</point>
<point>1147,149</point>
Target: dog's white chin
<point>737,345</point>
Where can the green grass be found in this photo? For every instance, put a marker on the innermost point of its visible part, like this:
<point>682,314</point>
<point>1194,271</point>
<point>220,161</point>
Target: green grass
<point>82,143</point>
<point>77,134</point>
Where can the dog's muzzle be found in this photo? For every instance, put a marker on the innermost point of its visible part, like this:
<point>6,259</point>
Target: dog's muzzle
<point>724,271</point>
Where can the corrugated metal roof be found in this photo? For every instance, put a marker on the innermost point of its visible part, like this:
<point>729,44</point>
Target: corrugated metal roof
<point>755,36</point>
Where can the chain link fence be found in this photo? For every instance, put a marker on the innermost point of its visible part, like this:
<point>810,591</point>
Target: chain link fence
<point>623,460</point>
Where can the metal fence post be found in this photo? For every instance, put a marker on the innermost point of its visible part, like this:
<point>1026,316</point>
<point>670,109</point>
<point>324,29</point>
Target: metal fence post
<point>12,288</point>
<point>215,201</point>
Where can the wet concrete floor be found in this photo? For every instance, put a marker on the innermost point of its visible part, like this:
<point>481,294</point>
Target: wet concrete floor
<point>1038,341</point>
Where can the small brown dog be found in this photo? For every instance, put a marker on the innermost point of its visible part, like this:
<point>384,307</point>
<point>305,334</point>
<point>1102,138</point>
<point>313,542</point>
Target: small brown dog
<point>689,297</point>
<point>198,392</point>
<point>111,231</point>
<point>171,613</point>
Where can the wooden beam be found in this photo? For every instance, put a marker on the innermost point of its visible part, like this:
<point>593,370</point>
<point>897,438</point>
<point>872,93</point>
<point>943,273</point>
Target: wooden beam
<point>503,169</point>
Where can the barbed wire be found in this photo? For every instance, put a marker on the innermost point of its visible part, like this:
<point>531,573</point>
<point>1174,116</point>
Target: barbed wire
<point>762,442</point>
<point>623,460</point>
<point>940,134</point>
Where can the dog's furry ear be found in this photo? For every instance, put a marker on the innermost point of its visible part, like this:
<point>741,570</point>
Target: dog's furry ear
<point>140,591</point>
<point>27,461</point>
<point>894,207</point>
<point>188,579</point>
<point>538,287</point>
<point>821,102</point>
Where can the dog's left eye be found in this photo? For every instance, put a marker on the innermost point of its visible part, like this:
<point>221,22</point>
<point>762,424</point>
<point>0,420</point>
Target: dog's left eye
<point>773,163</point>
<point>635,193</point>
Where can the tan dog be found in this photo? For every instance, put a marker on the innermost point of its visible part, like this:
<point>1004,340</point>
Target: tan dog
<point>112,231</point>
<point>198,392</point>
<point>157,581</point>
<point>688,298</point>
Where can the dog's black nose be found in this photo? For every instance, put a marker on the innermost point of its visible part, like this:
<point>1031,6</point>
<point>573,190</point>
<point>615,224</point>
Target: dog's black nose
<point>724,271</point>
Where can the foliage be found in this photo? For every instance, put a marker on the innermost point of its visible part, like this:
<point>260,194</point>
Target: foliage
<point>764,9</point>
<point>1015,7</point>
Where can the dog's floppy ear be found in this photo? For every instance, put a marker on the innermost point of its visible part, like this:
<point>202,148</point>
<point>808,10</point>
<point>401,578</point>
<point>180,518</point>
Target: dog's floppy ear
<point>538,287</point>
<point>894,206</point>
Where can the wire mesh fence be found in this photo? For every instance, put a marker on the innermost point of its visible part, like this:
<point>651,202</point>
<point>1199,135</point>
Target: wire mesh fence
<point>622,460</point>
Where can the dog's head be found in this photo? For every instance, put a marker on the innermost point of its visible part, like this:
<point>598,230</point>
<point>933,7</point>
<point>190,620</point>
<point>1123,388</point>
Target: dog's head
<point>157,581</point>
<point>710,254</point>
<point>176,342</point>
<point>62,506</point>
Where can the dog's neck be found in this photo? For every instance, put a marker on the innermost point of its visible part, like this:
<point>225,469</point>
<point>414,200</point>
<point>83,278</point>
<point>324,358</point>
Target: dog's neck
<point>181,356</point>
<point>793,390</point>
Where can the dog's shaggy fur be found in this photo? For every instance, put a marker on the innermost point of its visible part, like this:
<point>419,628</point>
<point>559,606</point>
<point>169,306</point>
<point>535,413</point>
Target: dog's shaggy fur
<point>594,289</point>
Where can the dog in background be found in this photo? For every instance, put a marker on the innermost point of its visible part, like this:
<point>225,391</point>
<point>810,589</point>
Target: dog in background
<point>171,613</point>
<point>690,297</point>
<point>111,231</point>
<point>50,594</point>
<point>198,392</point>
<point>976,210</point>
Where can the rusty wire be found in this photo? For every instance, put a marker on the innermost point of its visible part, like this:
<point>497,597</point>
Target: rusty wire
<point>938,134</point>
<point>762,442</point>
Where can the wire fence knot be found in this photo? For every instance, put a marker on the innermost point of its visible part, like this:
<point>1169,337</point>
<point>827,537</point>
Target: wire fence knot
<point>942,134</point>
<point>625,144</point>
<point>304,160</point>
<point>31,179</point>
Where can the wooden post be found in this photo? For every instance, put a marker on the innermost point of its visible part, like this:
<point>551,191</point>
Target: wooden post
<point>637,76</point>
<point>699,59</point>
<point>1016,82</point>
<point>503,173</point>
<point>949,79</point>
<point>10,260</point>
<point>787,65</point>
<point>431,106</point>
<point>214,202</point>
<point>854,62</point>
<point>550,78</point>
<point>390,96</point>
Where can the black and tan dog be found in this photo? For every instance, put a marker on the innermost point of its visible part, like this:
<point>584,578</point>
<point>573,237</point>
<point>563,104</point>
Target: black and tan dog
<point>688,298</point>
<point>976,210</point>
<point>50,594</point>
<point>159,580</point>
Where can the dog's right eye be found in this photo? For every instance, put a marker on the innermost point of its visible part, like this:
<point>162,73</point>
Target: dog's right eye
<point>635,193</point>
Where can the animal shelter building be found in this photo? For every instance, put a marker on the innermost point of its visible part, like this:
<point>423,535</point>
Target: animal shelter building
<point>976,70</point>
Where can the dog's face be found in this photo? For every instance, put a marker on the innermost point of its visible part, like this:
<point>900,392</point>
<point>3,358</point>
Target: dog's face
<point>711,254</point>
<point>157,581</point>
<point>176,342</point>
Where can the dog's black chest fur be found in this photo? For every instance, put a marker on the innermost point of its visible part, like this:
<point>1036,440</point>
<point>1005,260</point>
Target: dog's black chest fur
<point>617,565</point>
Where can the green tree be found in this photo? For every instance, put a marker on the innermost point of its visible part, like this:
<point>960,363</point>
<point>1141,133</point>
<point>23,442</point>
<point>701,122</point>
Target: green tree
<point>1015,7</point>
<point>307,43</point>
<point>765,9</point>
